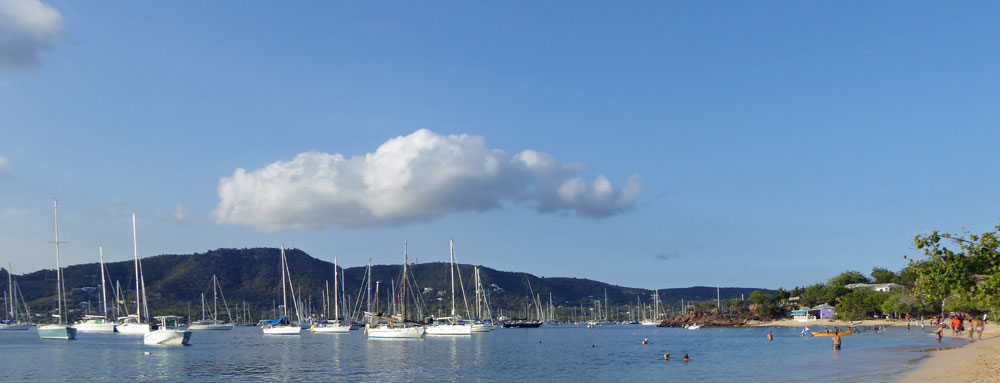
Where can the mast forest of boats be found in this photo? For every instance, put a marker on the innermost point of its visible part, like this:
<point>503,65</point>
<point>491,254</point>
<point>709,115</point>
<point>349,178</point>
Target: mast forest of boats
<point>401,314</point>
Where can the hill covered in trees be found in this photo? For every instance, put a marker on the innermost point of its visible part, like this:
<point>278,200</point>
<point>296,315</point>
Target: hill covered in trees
<point>175,282</point>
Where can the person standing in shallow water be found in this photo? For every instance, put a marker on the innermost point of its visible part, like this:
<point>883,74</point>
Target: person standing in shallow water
<point>836,340</point>
<point>770,336</point>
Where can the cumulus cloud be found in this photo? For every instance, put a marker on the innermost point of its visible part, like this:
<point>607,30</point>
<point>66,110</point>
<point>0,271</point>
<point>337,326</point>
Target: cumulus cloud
<point>27,28</point>
<point>415,177</point>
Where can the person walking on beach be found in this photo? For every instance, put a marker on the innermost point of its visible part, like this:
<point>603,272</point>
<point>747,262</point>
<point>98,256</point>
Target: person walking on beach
<point>939,331</point>
<point>979,328</point>
<point>836,340</point>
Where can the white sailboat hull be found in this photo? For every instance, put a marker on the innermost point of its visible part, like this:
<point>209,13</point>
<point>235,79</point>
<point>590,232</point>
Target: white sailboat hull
<point>133,328</point>
<point>214,327</point>
<point>331,328</point>
<point>649,323</point>
<point>481,328</point>
<point>282,330</point>
<point>16,326</point>
<point>449,329</point>
<point>95,327</point>
<point>167,337</point>
<point>383,332</point>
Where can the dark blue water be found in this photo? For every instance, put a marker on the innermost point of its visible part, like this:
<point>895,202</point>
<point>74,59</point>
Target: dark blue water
<point>607,353</point>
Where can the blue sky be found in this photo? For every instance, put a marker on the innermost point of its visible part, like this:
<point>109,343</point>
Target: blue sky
<point>774,144</point>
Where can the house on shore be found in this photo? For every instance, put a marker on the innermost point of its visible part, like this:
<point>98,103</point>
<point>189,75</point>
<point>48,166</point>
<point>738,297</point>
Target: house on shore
<point>880,287</point>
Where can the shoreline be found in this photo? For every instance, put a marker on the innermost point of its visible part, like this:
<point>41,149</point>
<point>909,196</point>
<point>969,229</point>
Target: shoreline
<point>978,361</point>
<point>821,323</point>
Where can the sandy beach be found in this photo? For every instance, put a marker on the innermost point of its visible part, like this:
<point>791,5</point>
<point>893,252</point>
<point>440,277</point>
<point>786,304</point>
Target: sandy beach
<point>977,362</point>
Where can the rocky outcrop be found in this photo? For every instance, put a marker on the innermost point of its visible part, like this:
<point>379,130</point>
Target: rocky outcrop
<point>711,319</point>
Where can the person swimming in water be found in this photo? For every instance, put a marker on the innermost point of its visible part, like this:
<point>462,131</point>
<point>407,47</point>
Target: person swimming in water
<point>770,336</point>
<point>686,358</point>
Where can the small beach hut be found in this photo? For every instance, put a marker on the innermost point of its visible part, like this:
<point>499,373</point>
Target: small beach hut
<point>825,311</point>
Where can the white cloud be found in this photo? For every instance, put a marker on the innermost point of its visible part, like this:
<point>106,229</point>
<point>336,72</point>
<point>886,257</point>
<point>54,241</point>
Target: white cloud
<point>3,164</point>
<point>27,27</point>
<point>409,178</point>
<point>178,215</point>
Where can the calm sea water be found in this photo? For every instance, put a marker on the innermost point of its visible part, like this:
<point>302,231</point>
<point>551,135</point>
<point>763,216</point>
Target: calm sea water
<point>566,353</point>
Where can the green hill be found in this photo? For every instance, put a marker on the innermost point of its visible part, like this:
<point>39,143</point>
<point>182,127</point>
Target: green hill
<point>174,284</point>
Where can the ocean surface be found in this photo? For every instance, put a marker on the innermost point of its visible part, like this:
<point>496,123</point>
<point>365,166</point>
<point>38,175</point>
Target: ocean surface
<point>551,353</point>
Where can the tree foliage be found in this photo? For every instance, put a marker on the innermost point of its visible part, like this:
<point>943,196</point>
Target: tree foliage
<point>849,277</point>
<point>758,297</point>
<point>881,275</point>
<point>968,271</point>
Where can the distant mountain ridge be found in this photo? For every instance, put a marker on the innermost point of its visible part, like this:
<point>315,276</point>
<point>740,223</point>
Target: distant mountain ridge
<point>174,282</point>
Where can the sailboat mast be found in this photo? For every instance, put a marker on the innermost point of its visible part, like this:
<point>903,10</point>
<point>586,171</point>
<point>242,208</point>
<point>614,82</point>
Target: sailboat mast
<point>284,300</point>
<point>343,291</point>
<point>369,295</point>
<point>59,292</point>
<point>104,294</point>
<point>405,277</point>
<point>135,253</point>
<point>336,286</point>
<point>215,294</point>
<point>10,289</point>
<point>452,279</point>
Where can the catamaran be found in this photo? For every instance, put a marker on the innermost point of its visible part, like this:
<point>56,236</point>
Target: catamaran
<point>59,330</point>
<point>214,323</point>
<point>167,333</point>
<point>394,326</point>
<point>98,323</point>
<point>14,321</point>
<point>335,326</point>
<point>450,325</point>
<point>283,326</point>
<point>133,324</point>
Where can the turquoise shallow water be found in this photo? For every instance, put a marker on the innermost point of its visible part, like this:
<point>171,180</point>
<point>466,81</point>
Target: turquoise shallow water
<point>566,353</point>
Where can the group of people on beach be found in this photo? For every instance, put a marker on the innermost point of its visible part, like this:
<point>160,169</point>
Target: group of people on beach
<point>960,324</point>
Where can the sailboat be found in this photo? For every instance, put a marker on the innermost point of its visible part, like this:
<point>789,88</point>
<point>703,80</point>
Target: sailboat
<point>283,326</point>
<point>214,323</point>
<point>481,325</point>
<point>13,320</point>
<point>450,325</point>
<point>335,326</point>
<point>656,311</point>
<point>168,332</point>
<point>60,330</point>
<point>98,323</point>
<point>394,327</point>
<point>133,324</point>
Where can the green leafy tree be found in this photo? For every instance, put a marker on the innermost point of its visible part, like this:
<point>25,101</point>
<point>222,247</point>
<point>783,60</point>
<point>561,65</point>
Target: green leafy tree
<point>781,295</point>
<point>758,297</point>
<point>860,303</point>
<point>848,277</point>
<point>881,275</point>
<point>970,274</point>
<point>813,295</point>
